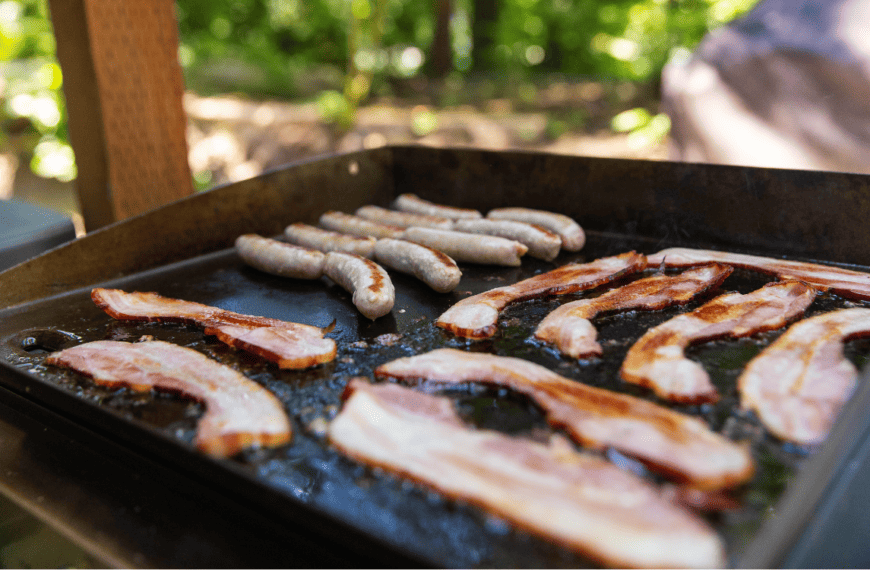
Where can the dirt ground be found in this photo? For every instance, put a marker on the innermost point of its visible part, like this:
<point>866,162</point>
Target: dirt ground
<point>231,138</point>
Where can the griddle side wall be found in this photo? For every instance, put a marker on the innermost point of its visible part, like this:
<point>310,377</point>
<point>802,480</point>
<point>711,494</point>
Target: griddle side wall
<point>204,223</point>
<point>807,214</point>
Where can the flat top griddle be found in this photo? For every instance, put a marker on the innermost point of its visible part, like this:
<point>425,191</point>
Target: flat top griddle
<point>624,205</point>
<point>309,473</point>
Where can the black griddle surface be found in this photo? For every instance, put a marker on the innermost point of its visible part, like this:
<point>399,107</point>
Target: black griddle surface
<point>308,476</point>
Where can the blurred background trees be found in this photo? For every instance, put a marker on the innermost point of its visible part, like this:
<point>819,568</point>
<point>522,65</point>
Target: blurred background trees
<point>342,53</point>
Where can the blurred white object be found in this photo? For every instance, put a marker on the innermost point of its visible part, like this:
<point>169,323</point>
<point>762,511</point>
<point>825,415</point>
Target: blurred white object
<point>786,86</point>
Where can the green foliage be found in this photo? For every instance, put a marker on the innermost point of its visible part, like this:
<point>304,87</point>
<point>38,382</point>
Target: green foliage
<point>339,52</point>
<point>32,109</point>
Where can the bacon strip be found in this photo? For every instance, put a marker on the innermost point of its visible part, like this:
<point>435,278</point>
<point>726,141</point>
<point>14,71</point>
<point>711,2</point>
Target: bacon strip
<point>852,284</point>
<point>657,360</point>
<point>568,327</point>
<point>798,384</point>
<point>675,444</point>
<point>476,316</point>
<point>290,345</point>
<point>239,413</point>
<point>574,499</point>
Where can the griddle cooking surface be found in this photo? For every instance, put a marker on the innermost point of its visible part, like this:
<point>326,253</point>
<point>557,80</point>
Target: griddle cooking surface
<point>405,516</point>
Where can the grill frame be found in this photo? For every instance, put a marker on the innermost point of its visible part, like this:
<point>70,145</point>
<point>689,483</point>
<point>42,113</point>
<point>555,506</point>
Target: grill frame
<point>651,203</point>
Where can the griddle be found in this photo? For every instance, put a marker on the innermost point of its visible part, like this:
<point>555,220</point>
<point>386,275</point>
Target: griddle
<point>130,455</point>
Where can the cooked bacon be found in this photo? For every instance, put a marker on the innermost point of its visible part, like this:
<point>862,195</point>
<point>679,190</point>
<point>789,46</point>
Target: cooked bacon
<point>476,316</point>
<point>852,284</point>
<point>239,413</point>
<point>568,327</point>
<point>657,360</point>
<point>798,384</point>
<point>675,444</point>
<point>290,345</point>
<point>574,499</point>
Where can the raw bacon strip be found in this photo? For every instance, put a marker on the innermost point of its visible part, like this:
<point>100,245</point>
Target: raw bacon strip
<point>852,284</point>
<point>290,345</point>
<point>798,384</point>
<point>239,413</point>
<point>476,316</point>
<point>675,444</point>
<point>571,498</point>
<point>568,327</point>
<point>657,360</point>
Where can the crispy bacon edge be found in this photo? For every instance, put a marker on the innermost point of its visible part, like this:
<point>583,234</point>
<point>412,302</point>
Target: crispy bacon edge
<point>620,534</point>
<point>167,376</point>
<point>477,316</point>
<point>229,327</point>
<point>569,327</point>
<point>568,403</point>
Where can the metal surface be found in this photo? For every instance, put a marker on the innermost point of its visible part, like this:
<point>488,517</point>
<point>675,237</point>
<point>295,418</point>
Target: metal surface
<point>308,490</point>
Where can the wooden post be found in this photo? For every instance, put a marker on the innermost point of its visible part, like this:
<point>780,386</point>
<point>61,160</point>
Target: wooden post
<point>123,86</point>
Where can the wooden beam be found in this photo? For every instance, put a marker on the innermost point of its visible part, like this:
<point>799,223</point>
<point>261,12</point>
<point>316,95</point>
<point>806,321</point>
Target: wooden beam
<point>123,86</point>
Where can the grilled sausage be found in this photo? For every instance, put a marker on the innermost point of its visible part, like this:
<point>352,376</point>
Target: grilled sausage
<point>472,248</point>
<point>325,240</point>
<point>403,219</point>
<point>411,203</point>
<point>429,265</point>
<point>542,243</point>
<point>354,225</point>
<point>573,237</point>
<point>373,292</point>
<point>279,258</point>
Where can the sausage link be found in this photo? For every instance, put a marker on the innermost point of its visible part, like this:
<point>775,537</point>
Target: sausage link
<point>354,225</point>
<point>373,292</point>
<point>472,248</point>
<point>573,237</point>
<point>411,203</point>
<point>280,258</point>
<point>403,219</point>
<point>542,243</point>
<point>429,265</point>
<point>325,240</point>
